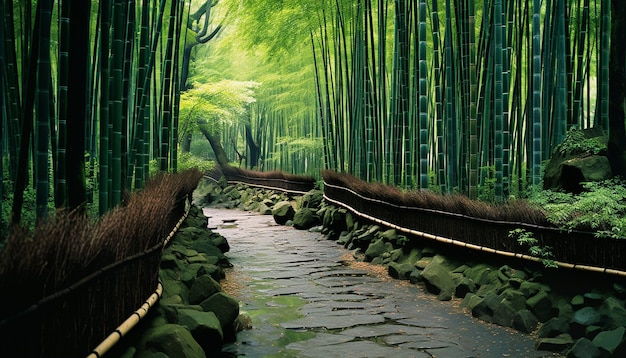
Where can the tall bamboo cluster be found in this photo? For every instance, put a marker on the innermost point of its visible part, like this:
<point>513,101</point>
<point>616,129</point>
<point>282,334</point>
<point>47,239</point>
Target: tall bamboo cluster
<point>468,96</point>
<point>88,93</point>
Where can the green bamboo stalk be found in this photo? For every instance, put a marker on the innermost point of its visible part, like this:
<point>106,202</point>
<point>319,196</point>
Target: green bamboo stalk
<point>14,106</point>
<point>536,98</point>
<point>42,133</point>
<point>560,103</point>
<point>93,124</point>
<point>506,73</point>
<point>473,108</point>
<point>463,51</point>
<point>166,73</point>
<point>452,149</point>
<point>423,100</point>
<point>128,92</point>
<point>498,101</point>
<point>370,94</point>
<point>581,35</point>
<point>138,158</point>
<point>103,158</point>
<point>603,79</point>
<point>382,99</point>
<point>400,95</point>
<point>179,36</point>
<point>319,106</point>
<point>548,85</point>
<point>60,181</point>
<point>115,102</point>
<point>332,109</point>
<point>29,90</point>
<point>411,146</point>
<point>357,96</point>
<point>438,102</point>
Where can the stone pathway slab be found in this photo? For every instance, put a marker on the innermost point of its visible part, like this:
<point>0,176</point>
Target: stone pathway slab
<point>305,300</point>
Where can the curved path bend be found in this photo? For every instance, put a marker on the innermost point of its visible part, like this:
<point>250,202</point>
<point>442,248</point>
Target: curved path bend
<point>308,298</point>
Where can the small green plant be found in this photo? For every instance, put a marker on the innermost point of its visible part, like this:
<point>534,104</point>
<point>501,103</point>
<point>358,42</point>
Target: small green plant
<point>486,188</point>
<point>526,238</point>
<point>601,208</point>
<point>402,240</point>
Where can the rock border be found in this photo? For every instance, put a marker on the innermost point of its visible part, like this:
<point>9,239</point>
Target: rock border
<point>194,317</point>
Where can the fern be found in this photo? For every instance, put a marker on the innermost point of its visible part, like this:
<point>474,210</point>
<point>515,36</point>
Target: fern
<point>601,207</point>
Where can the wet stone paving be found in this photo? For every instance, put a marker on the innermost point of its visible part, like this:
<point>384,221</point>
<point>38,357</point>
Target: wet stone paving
<point>307,297</point>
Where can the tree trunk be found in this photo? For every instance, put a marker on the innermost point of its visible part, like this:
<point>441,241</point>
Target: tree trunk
<point>185,145</point>
<point>617,90</point>
<point>254,151</point>
<point>216,145</point>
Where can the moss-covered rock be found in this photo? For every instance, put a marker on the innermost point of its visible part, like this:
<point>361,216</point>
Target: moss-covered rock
<point>312,199</point>
<point>202,288</point>
<point>541,305</point>
<point>583,318</point>
<point>205,328</point>
<point>224,306</point>
<point>553,327</point>
<point>401,271</point>
<point>175,341</point>
<point>525,321</point>
<point>613,313</point>
<point>334,219</point>
<point>282,212</point>
<point>487,307</point>
<point>584,348</point>
<point>305,218</point>
<point>438,277</point>
<point>609,341</point>
<point>377,248</point>
<point>556,344</point>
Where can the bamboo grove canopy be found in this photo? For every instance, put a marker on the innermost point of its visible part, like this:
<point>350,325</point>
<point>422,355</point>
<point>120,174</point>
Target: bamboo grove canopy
<point>452,95</point>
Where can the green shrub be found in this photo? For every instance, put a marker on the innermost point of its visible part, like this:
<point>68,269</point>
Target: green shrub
<point>601,207</point>
<point>188,161</point>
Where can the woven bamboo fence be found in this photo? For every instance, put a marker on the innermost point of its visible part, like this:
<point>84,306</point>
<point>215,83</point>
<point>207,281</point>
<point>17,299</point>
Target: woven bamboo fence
<point>275,180</point>
<point>71,283</point>
<point>473,225</point>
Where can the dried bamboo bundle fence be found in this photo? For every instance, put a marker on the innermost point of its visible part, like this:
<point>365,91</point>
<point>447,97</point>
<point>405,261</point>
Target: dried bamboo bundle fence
<point>454,219</point>
<point>290,183</point>
<point>71,282</point>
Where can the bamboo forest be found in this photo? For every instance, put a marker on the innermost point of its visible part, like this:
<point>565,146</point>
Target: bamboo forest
<point>452,96</point>
<point>406,130</point>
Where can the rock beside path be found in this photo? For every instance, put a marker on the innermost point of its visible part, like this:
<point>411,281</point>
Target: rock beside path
<point>283,211</point>
<point>194,317</point>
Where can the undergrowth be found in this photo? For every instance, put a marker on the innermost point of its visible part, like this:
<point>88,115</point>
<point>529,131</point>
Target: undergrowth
<point>601,207</point>
<point>577,143</point>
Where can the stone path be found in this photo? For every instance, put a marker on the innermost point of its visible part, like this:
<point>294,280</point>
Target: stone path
<point>307,298</point>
